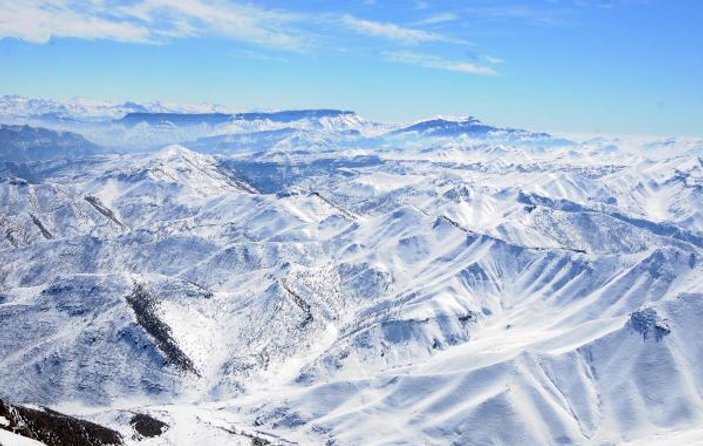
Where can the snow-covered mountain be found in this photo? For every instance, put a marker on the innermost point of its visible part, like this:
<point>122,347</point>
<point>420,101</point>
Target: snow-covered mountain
<point>456,127</point>
<point>365,289</point>
<point>16,106</point>
<point>22,143</point>
<point>133,126</point>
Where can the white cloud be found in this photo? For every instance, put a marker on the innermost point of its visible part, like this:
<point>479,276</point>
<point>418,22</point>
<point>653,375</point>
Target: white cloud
<point>529,13</point>
<point>493,60</point>
<point>442,17</point>
<point>148,21</point>
<point>239,22</point>
<point>240,53</point>
<point>392,31</point>
<point>37,21</point>
<point>162,21</point>
<point>431,61</point>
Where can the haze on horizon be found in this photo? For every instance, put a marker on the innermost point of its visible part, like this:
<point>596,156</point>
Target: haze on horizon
<point>591,66</point>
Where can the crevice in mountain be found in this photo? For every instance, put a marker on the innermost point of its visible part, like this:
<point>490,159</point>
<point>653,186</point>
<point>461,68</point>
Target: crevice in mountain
<point>104,210</point>
<point>565,402</point>
<point>239,179</point>
<point>379,313</point>
<point>339,208</point>
<point>55,429</point>
<point>9,232</point>
<point>242,185</point>
<point>236,180</point>
<point>455,224</point>
<point>231,179</point>
<point>257,438</point>
<point>45,232</point>
<point>143,305</point>
<point>299,302</point>
<point>479,234</point>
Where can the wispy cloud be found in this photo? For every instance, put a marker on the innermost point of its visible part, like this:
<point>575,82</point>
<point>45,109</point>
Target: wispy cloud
<point>442,17</point>
<point>392,31</point>
<point>147,21</point>
<point>237,21</point>
<point>438,63</point>
<point>493,60</point>
<point>38,21</point>
<point>549,12</point>
<point>241,53</point>
<point>163,21</point>
<point>535,14</point>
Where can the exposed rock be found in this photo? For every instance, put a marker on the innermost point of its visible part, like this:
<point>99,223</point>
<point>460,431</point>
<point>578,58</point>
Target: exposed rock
<point>648,323</point>
<point>54,428</point>
<point>144,307</point>
<point>147,426</point>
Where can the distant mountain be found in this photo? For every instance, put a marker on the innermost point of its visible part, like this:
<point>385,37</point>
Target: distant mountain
<point>175,119</point>
<point>213,119</point>
<point>294,115</point>
<point>233,142</point>
<point>60,111</point>
<point>86,110</point>
<point>22,143</point>
<point>469,126</point>
<point>445,127</point>
<point>138,126</point>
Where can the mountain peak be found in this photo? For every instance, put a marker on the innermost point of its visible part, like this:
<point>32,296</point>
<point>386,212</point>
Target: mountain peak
<point>177,152</point>
<point>448,126</point>
<point>174,150</point>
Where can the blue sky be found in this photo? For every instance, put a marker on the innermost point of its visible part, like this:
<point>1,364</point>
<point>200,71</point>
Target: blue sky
<point>605,66</point>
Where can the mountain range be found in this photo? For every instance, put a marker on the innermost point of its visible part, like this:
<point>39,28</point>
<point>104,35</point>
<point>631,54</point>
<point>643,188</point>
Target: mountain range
<point>313,277</point>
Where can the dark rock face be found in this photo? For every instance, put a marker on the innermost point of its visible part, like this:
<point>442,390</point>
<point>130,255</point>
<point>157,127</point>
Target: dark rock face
<point>144,307</point>
<point>104,210</point>
<point>648,323</point>
<point>147,426</point>
<point>54,428</point>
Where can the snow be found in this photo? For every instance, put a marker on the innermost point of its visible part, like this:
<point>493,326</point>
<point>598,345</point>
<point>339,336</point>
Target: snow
<point>382,182</point>
<point>361,290</point>
<point>692,437</point>
<point>10,439</point>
